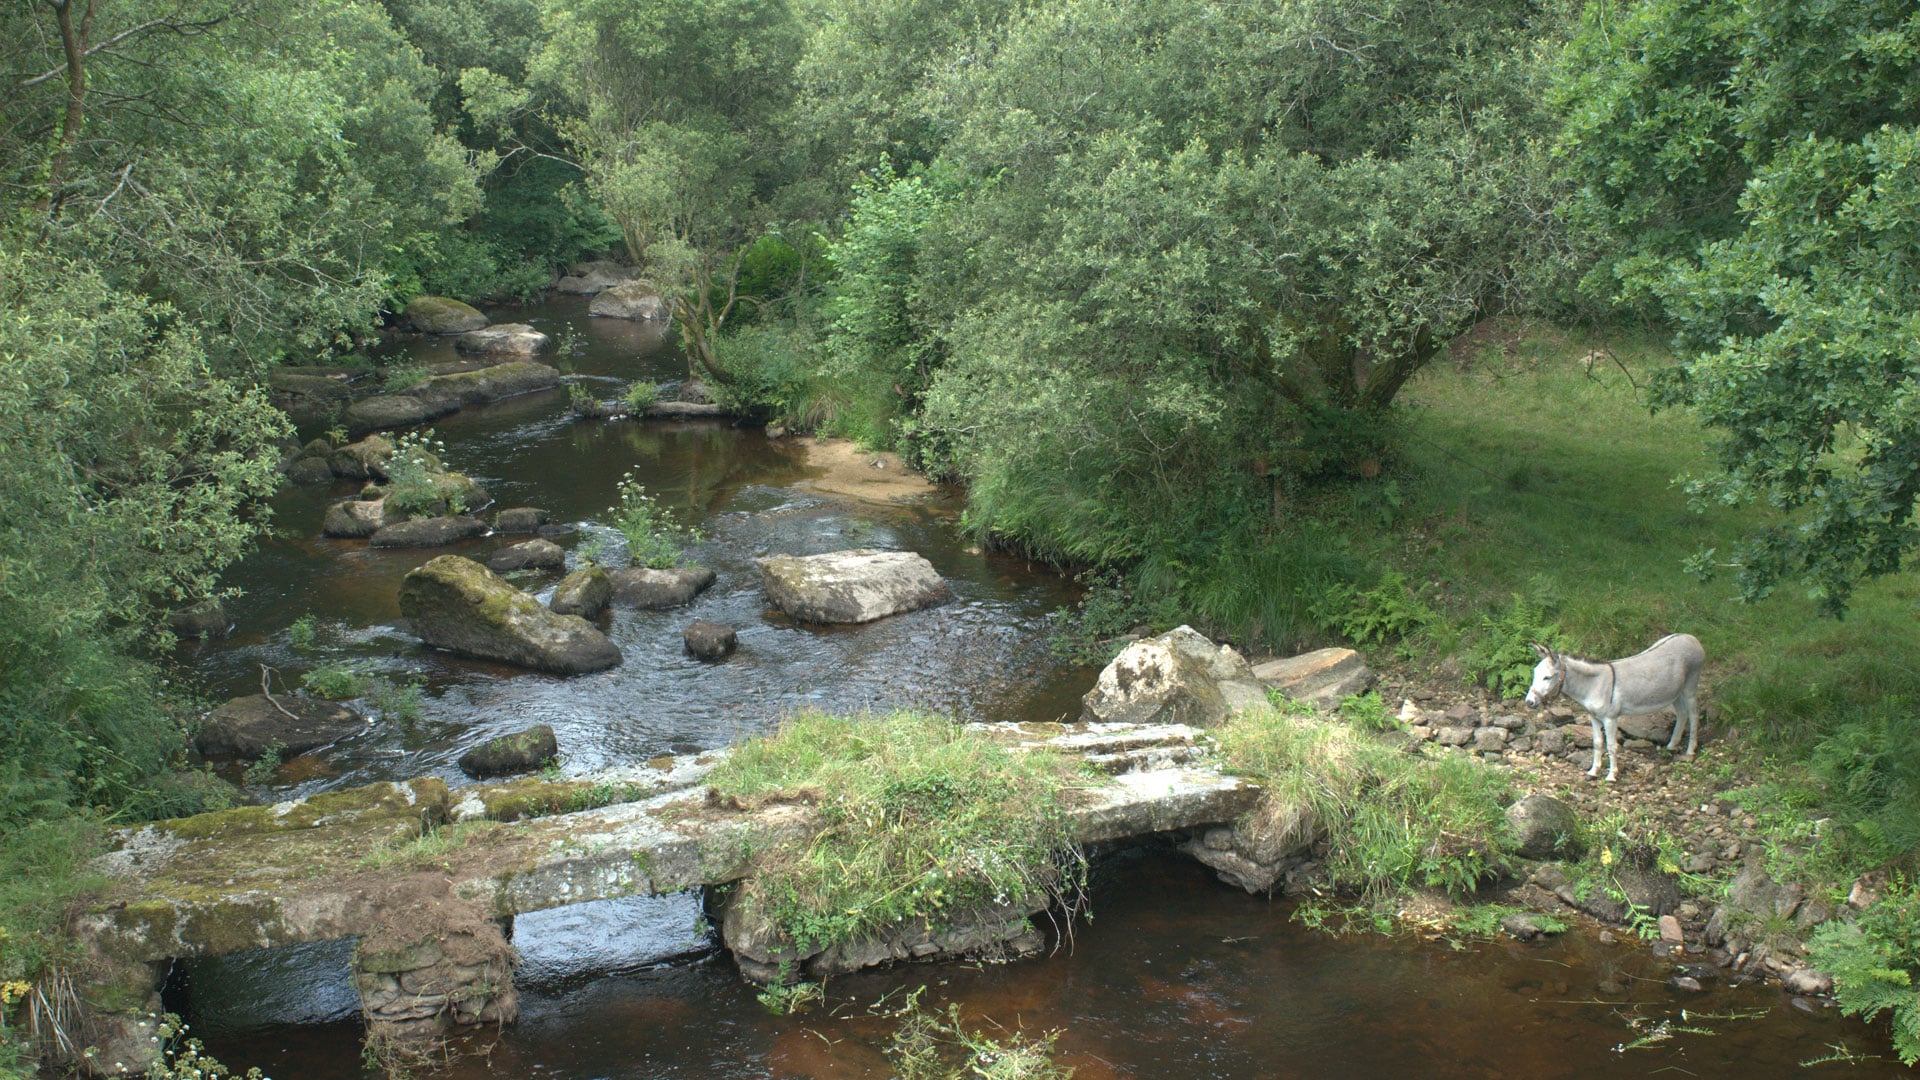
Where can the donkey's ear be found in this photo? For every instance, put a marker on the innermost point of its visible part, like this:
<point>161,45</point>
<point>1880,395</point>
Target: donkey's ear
<point>1541,651</point>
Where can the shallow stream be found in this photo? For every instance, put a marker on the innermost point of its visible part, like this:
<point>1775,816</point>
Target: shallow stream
<point>1176,976</point>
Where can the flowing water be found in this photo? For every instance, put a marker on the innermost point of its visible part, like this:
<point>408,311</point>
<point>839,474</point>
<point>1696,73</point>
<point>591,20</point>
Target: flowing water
<point>1177,975</point>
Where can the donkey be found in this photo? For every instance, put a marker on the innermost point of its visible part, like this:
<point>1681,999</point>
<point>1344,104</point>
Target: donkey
<point>1666,674</point>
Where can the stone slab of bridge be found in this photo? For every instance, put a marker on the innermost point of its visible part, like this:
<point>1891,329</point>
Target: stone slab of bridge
<point>428,879</point>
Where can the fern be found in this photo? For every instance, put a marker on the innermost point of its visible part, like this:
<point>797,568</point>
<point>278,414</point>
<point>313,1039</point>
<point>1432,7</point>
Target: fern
<point>1874,964</point>
<point>1502,656</point>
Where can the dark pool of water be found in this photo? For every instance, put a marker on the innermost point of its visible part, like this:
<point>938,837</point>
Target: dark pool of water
<point>1178,976</point>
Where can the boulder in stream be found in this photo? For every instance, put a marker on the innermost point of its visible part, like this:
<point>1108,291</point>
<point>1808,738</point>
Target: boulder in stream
<point>585,592</point>
<point>363,460</point>
<point>458,605</point>
<point>358,518</point>
<point>710,640</point>
<point>589,278</point>
<point>522,751</point>
<point>429,532</point>
<point>443,315</point>
<point>250,727</point>
<point>384,411</point>
<point>1177,678</point>
<point>652,590</point>
<point>635,300</point>
<point>531,555</point>
<point>208,618</point>
<point>519,519</point>
<point>306,397</point>
<point>504,339</point>
<point>492,383</point>
<point>854,586</point>
<point>309,472</point>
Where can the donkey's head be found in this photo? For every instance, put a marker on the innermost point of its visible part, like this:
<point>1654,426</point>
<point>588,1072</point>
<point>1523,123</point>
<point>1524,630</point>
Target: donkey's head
<point>1547,675</point>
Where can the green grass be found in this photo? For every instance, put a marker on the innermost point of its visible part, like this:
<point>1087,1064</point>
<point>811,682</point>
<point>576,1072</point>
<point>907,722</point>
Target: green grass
<point>918,816</point>
<point>1530,470</point>
<point>1387,820</point>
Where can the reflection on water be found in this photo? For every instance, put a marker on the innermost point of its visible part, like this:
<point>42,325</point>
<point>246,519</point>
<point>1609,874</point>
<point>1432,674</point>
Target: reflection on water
<point>1178,976</point>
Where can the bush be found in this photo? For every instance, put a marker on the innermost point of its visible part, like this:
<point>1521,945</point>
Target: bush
<point>919,816</point>
<point>641,395</point>
<point>654,539</point>
<point>1875,964</point>
<point>1392,610</point>
<point>1387,820</point>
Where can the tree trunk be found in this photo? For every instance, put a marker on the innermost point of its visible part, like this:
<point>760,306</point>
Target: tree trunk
<point>73,43</point>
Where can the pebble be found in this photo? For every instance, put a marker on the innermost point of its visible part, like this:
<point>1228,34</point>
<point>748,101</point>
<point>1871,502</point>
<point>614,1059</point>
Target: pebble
<point>1687,983</point>
<point>1670,929</point>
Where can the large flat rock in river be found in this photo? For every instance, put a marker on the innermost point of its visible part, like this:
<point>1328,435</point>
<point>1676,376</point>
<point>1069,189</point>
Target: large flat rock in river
<point>851,586</point>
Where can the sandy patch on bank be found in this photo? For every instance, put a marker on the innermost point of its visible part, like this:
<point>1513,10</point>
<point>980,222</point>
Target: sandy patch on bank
<point>840,467</point>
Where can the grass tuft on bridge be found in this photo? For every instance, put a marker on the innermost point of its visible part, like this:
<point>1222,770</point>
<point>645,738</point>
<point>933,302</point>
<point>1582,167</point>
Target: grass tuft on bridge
<point>919,817</point>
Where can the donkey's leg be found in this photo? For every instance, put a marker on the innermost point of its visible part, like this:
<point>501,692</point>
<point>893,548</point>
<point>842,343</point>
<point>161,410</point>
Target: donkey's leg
<point>1594,721</point>
<point>1681,713</point>
<point>1613,746</point>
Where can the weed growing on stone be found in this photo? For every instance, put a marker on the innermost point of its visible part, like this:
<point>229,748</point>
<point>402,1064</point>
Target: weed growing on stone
<point>401,377</point>
<point>654,538</point>
<point>418,484</point>
<point>1388,821</point>
<point>918,817</point>
<point>397,701</point>
<point>784,997</point>
<point>304,632</point>
<point>337,681</point>
<point>186,1059</point>
<point>1481,921</point>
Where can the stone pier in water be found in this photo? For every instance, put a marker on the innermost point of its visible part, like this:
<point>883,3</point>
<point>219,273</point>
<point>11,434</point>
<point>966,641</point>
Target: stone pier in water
<point>428,879</point>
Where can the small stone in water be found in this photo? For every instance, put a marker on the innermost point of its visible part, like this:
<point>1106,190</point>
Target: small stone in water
<point>1686,982</point>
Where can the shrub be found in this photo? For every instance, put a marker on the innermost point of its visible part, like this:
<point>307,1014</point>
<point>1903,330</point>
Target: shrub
<point>1875,964</point>
<point>641,396</point>
<point>1391,610</point>
<point>918,816</point>
<point>654,539</point>
<point>1388,820</point>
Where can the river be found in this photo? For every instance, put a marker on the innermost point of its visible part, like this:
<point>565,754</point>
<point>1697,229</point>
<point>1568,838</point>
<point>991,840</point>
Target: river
<point>1176,975</point>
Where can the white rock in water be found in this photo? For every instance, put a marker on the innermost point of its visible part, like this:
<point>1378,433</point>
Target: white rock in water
<point>1177,678</point>
<point>851,586</point>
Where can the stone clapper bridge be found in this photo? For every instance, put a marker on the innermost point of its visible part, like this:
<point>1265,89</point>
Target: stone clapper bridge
<point>434,920</point>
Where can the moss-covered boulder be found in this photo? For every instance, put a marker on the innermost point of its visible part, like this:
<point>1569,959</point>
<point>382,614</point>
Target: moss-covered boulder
<point>391,411</point>
<point>459,605</point>
<point>519,519</point>
<point>363,460</point>
<point>635,300</point>
<point>442,315</point>
<point>522,751</point>
<point>491,383</point>
<point>1177,678</point>
<point>585,592</point>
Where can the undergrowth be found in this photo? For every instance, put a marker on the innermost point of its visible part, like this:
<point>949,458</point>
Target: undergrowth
<point>1875,964</point>
<point>917,815</point>
<point>1388,821</point>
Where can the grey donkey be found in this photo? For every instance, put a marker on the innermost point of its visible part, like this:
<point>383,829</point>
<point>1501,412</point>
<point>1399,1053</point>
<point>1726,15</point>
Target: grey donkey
<point>1666,674</point>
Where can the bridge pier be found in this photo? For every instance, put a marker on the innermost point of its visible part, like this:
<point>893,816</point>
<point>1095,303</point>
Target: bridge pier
<point>420,982</point>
